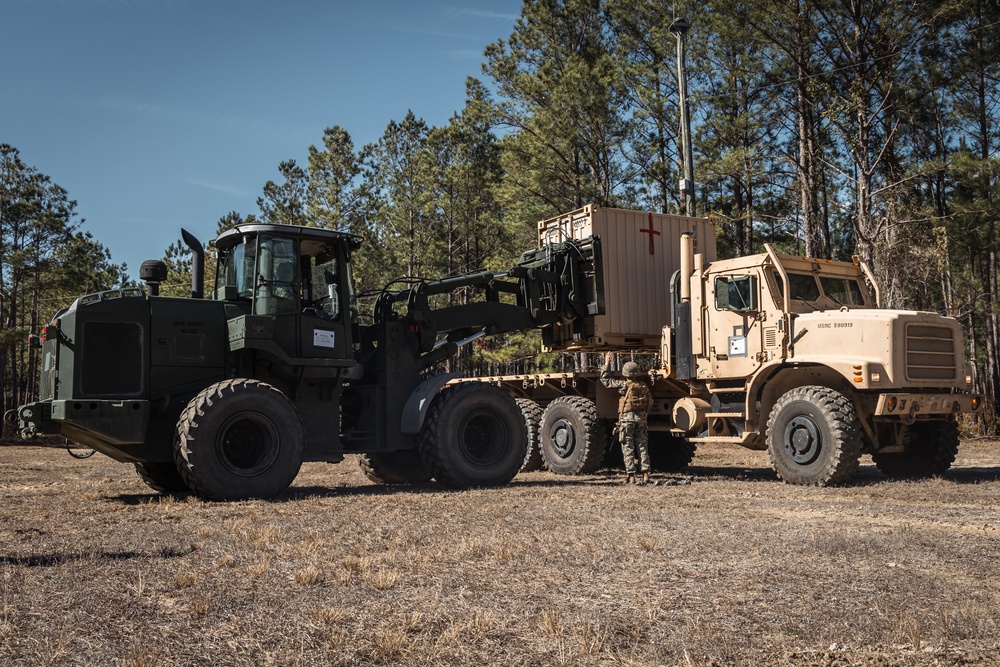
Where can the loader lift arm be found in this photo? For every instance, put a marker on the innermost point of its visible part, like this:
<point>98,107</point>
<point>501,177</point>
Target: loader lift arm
<point>553,285</point>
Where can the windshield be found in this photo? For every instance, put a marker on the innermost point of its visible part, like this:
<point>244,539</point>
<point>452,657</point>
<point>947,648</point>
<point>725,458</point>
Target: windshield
<point>822,291</point>
<point>236,268</point>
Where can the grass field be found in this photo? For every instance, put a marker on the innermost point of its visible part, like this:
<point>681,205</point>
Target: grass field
<point>734,568</point>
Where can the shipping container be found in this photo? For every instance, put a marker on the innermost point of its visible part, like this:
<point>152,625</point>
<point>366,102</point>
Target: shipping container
<point>640,253</point>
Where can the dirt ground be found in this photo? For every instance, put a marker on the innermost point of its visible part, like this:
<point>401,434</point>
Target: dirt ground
<point>733,568</point>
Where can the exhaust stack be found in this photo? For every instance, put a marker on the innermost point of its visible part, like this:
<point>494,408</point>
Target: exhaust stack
<point>197,264</point>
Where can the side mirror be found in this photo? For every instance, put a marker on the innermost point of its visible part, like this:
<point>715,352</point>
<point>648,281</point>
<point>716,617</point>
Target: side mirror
<point>736,293</point>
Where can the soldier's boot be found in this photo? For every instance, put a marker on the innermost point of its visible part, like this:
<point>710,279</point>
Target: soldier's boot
<point>645,477</point>
<point>642,479</point>
<point>630,479</point>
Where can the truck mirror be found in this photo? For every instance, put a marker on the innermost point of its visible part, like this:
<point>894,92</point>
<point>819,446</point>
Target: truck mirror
<point>736,293</point>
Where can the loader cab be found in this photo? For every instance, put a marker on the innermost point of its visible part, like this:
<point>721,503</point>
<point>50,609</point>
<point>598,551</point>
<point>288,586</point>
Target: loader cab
<point>295,282</point>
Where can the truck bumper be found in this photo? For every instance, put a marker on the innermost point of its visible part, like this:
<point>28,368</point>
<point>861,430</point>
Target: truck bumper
<point>90,422</point>
<point>914,405</point>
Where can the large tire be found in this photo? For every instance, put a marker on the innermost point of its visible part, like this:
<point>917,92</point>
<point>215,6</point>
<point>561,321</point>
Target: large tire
<point>474,435</point>
<point>669,452</point>
<point>532,412</point>
<point>573,440</point>
<point>163,477</point>
<point>239,439</point>
<point>814,437</point>
<point>399,467</point>
<point>929,449</point>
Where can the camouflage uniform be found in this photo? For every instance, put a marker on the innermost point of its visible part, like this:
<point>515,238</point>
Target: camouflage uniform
<point>632,420</point>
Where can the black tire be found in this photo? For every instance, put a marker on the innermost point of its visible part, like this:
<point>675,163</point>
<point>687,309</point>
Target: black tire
<point>814,437</point>
<point>573,440</point>
<point>400,467</point>
<point>163,477</point>
<point>239,439</point>
<point>929,449</point>
<point>532,418</point>
<point>474,435</point>
<point>669,452</point>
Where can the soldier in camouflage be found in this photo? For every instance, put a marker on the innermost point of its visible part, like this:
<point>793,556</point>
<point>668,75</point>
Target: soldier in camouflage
<point>632,408</point>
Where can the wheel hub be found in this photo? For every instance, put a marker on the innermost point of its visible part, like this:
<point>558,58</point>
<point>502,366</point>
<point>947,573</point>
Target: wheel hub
<point>802,440</point>
<point>248,444</point>
<point>484,439</point>
<point>563,438</point>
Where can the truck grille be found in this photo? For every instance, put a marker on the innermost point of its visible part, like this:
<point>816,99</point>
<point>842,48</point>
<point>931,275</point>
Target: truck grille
<point>931,353</point>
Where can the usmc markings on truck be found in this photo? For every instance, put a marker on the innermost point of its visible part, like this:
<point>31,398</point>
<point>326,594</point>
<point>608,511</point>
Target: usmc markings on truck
<point>834,325</point>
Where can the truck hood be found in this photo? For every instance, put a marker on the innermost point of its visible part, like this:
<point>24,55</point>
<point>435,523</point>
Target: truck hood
<point>883,348</point>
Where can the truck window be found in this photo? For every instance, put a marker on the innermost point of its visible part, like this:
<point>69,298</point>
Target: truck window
<point>736,293</point>
<point>803,286</point>
<point>845,291</point>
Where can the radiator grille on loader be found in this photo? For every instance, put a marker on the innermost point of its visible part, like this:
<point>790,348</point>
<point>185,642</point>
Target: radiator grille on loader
<point>931,353</point>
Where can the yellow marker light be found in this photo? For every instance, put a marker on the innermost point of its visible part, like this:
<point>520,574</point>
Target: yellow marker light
<point>891,403</point>
<point>859,379</point>
<point>975,402</point>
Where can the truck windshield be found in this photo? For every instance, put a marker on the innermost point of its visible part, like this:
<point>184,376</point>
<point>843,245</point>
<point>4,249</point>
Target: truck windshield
<point>845,291</point>
<point>823,291</point>
<point>803,286</point>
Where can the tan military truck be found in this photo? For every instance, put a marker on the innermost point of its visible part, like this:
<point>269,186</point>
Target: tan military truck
<point>789,354</point>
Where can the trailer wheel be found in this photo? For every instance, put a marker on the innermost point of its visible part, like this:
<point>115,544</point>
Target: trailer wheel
<point>474,435</point>
<point>532,412</point>
<point>929,449</point>
<point>399,467</point>
<point>573,440</point>
<point>239,439</point>
<point>814,437</point>
<point>670,453</point>
<point>163,477</point>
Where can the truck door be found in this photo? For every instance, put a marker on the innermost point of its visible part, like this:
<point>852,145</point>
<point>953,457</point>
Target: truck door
<point>735,340</point>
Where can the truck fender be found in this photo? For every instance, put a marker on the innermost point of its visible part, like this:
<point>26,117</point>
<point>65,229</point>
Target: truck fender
<point>419,402</point>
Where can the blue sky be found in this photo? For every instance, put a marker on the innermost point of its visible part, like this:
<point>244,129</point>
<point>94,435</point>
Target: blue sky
<point>158,114</point>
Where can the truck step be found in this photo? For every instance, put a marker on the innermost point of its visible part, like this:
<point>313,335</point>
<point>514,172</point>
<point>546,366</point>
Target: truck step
<point>722,439</point>
<point>725,415</point>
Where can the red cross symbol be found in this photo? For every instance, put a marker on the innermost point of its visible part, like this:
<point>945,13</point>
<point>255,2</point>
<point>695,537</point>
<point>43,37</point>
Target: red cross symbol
<point>652,232</point>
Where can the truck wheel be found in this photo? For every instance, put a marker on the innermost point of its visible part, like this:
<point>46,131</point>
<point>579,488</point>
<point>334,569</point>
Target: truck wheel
<point>668,452</point>
<point>399,467</point>
<point>532,418</point>
<point>573,440</point>
<point>814,437</point>
<point>163,477</point>
<point>929,449</point>
<point>474,435</point>
<point>239,439</point>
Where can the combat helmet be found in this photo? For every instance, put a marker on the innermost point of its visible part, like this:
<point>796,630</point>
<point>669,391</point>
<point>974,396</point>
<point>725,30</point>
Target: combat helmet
<point>630,369</point>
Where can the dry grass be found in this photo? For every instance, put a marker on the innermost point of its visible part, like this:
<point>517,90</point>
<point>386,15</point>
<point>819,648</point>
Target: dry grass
<point>733,569</point>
